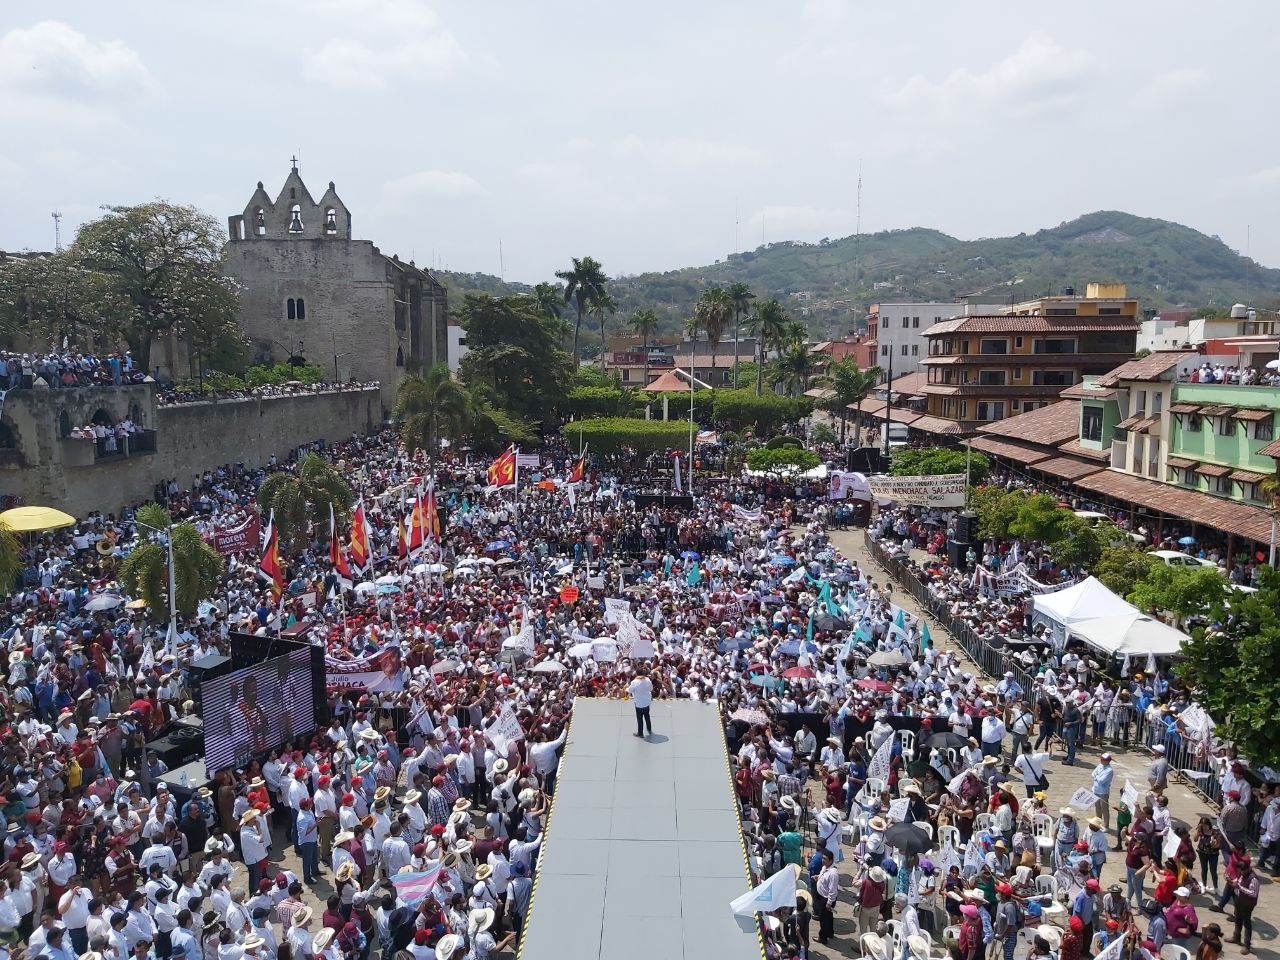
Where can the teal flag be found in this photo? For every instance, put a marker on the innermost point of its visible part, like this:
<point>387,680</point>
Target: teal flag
<point>925,639</point>
<point>695,576</point>
<point>901,619</point>
<point>810,631</point>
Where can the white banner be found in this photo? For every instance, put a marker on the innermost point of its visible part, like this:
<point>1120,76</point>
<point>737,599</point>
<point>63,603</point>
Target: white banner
<point>505,727</point>
<point>1014,582</point>
<point>879,766</point>
<point>745,515</point>
<point>845,485</point>
<point>615,610</point>
<point>776,892</point>
<point>944,490</point>
<point>1083,799</point>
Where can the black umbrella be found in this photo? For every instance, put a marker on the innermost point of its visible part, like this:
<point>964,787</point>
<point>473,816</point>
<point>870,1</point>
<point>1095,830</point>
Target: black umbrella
<point>908,838</point>
<point>946,740</point>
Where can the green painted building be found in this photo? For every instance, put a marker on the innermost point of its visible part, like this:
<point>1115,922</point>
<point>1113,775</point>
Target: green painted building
<point>1217,435</point>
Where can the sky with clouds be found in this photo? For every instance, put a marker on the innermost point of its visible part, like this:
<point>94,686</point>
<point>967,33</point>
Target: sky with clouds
<point>650,135</point>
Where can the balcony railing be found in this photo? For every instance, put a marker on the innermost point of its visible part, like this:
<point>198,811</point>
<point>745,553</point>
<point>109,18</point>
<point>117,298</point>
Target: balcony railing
<point>130,445</point>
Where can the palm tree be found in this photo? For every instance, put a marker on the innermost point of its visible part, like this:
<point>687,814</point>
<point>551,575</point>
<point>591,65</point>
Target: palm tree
<point>429,407</point>
<point>583,285</point>
<point>849,386</point>
<point>301,500</point>
<point>766,324</point>
<point>714,310</point>
<point>197,565</point>
<point>549,298</point>
<point>795,332</point>
<point>644,322</point>
<point>793,368</point>
<point>10,559</point>
<point>601,308</point>
<point>740,297</point>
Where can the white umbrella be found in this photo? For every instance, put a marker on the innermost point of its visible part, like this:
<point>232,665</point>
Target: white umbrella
<point>484,561</point>
<point>421,569</point>
<point>436,568</point>
<point>388,578</point>
<point>550,666</point>
<point>363,589</point>
<point>103,601</point>
<point>580,651</point>
<point>1273,364</point>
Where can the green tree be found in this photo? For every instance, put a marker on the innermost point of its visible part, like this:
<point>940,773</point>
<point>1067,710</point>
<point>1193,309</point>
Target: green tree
<point>614,435</point>
<point>513,348</point>
<point>1233,670</point>
<point>822,433</point>
<point>849,387</point>
<point>197,566</point>
<point>766,324</point>
<point>584,284</point>
<point>493,428</point>
<point>713,311</point>
<point>996,510</point>
<point>300,500</point>
<point>164,261</point>
<point>1040,518</point>
<point>740,297</point>
<point>1082,543</point>
<point>1184,591</point>
<point>1122,567</point>
<point>431,407</point>
<point>602,308</point>
<point>765,414</point>
<point>938,461</point>
<point>10,558</point>
<point>48,298</point>
<point>782,461</point>
<point>550,299</point>
<point>793,368</point>
<point>602,402</point>
<point>644,323</point>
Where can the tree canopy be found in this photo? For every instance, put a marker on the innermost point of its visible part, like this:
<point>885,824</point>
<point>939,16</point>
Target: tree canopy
<point>782,461</point>
<point>197,566</point>
<point>608,435</point>
<point>513,347</point>
<point>1185,591</point>
<point>742,410</point>
<point>1232,669</point>
<point>936,461</point>
<point>300,501</point>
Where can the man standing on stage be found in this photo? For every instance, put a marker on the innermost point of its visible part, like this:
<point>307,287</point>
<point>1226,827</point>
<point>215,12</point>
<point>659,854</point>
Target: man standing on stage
<point>641,691</point>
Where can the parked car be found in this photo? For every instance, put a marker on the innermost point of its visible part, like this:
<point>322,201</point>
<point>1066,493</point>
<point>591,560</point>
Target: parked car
<point>1173,558</point>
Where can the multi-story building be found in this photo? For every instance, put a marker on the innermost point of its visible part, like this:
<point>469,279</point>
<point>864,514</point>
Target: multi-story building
<point>985,368</point>
<point>897,329</point>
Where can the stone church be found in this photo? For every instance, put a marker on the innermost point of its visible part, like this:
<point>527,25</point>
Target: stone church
<point>310,290</point>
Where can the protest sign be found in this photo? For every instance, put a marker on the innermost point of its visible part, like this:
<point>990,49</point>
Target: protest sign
<point>382,672</point>
<point>244,536</point>
<point>944,490</point>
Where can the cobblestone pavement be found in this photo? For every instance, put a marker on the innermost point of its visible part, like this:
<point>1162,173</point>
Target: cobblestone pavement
<point>1063,782</point>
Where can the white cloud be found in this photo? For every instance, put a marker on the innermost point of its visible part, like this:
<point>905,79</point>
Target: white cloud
<point>1169,88</point>
<point>440,184</point>
<point>52,74</point>
<point>825,12</point>
<point>373,44</point>
<point>782,222</point>
<point>686,152</point>
<point>1034,81</point>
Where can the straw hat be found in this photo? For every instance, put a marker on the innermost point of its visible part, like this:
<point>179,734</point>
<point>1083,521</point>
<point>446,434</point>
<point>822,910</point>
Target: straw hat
<point>480,920</point>
<point>806,897</point>
<point>918,946</point>
<point>252,942</point>
<point>382,793</point>
<point>769,775</point>
<point>788,802</point>
<point>912,788</point>
<point>249,816</point>
<point>500,766</point>
<point>831,813</point>
<point>413,796</point>
<point>300,916</point>
<point>1095,822</point>
<point>878,824</point>
<point>322,939</point>
<point>30,860</point>
<point>346,871</point>
<point>461,805</point>
<point>447,946</point>
<point>344,837</point>
<point>370,735</point>
<point>484,872</point>
<point>15,657</point>
<point>1050,933</point>
<point>1066,812</point>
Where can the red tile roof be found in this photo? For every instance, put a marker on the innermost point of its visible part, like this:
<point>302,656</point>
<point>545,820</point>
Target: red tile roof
<point>1146,368</point>
<point>1001,323</point>
<point>1010,451</point>
<point>1074,448</point>
<point>1068,468</point>
<point>1272,449</point>
<point>1049,425</point>
<point>939,425</point>
<point>1252,523</point>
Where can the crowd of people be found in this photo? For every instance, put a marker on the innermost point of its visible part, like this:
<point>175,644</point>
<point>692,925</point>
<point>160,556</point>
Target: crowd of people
<point>1232,375</point>
<point>873,728</point>
<point>67,368</point>
<point>170,395</point>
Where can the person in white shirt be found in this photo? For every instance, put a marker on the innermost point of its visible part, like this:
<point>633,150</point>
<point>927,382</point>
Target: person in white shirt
<point>158,853</point>
<point>73,907</point>
<point>641,691</point>
<point>253,845</point>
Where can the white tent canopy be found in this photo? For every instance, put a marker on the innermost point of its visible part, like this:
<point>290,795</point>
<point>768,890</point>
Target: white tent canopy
<point>1087,600</point>
<point>1130,634</point>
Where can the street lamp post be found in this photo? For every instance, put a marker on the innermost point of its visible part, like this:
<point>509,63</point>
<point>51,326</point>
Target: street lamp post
<point>171,641</point>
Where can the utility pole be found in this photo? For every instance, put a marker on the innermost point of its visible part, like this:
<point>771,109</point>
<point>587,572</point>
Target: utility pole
<point>888,406</point>
<point>57,231</point>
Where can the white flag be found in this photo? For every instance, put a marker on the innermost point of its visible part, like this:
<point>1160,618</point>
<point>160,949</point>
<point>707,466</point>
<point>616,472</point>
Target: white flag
<point>1129,797</point>
<point>1083,799</point>
<point>1114,950</point>
<point>879,767</point>
<point>1125,667</point>
<point>678,485</point>
<point>1151,663</point>
<point>775,893</point>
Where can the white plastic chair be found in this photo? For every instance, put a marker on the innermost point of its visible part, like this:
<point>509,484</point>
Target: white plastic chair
<point>1042,829</point>
<point>1171,951</point>
<point>1046,885</point>
<point>895,937</point>
<point>873,947</point>
<point>983,821</point>
<point>908,739</point>
<point>873,788</point>
<point>924,825</point>
<point>949,837</point>
<point>903,784</point>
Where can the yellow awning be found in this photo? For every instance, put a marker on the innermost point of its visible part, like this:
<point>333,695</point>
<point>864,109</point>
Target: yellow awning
<point>35,519</point>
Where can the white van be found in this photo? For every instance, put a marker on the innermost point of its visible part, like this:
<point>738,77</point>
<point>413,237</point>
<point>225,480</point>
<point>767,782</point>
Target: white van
<point>897,435</point>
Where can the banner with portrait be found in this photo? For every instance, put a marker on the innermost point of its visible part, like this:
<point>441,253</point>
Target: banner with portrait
<point>382,672</point>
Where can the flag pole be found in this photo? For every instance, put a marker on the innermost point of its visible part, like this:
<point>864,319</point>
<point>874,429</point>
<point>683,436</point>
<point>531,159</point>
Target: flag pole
<point>515,487</point>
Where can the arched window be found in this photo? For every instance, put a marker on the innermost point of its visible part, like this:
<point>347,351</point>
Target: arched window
<point>8,439</point>
<point>101,416</point>
<point>331,221</point>
<point>291,308</point>
<point>260,222</point>
<point>302,309</point>
<point>400,356</point>
<point>64,424</point>
<point>295,219</point>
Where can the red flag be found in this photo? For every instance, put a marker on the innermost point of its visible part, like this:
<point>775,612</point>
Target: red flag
<point>578,472</point>
<point>402,536</point>
<point>359,537</point>
<point>433,514</point>
<point>502,472</point>
<point>417,524</point>
<point>335,548</point>
<point>269,566</point>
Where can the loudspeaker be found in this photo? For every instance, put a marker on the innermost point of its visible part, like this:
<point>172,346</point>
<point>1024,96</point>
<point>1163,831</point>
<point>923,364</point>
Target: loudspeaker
<point>178,748</point>
<point>206,668</point>
<point>967,527</point>
<point>955,553</point>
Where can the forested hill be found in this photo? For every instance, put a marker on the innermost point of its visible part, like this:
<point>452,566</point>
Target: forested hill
<point>831,282</point>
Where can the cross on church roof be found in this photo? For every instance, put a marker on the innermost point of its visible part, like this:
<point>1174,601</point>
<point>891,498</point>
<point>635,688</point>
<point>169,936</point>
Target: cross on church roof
<point>294,161</point>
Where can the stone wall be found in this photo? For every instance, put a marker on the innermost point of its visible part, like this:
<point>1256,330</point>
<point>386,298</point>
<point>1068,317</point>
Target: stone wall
<point>47,469</point>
